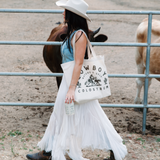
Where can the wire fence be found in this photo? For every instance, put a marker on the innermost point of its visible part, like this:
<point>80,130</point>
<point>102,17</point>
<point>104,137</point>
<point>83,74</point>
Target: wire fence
<point>145,104</point>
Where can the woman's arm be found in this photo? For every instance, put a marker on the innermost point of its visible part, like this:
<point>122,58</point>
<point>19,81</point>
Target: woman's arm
<point>80,49</point>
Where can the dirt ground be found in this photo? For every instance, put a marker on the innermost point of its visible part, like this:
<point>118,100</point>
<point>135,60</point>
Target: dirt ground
<point>22,127</point>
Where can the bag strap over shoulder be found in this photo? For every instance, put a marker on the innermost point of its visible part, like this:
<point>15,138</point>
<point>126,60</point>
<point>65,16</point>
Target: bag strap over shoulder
<point>90,50</point>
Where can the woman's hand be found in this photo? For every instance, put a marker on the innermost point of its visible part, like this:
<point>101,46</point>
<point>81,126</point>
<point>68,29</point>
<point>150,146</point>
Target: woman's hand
<point>70,95</point>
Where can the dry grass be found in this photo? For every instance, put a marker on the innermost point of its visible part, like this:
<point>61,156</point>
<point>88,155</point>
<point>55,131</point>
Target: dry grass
<point>14,145</point>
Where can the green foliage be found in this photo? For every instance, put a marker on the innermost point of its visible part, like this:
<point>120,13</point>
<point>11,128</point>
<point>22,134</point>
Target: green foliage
<point>14,133</point>
<point>3,137</point>
<point>22,140</point>
<point>29,135</point>
<point>18,132</point>
<point>157,139</point>
<point>140,139</point>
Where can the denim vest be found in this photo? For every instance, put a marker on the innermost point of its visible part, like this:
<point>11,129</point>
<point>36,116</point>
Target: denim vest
<point>67,56</point>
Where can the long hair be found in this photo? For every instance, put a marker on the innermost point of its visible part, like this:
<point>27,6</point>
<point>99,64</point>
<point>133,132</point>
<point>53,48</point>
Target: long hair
<point>75,22</point>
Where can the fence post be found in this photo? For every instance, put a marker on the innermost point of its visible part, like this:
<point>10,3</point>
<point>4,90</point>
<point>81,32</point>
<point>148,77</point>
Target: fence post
<point>147,73</point>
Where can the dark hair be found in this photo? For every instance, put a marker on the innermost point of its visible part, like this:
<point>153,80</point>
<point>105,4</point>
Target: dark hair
<point>75,22</point>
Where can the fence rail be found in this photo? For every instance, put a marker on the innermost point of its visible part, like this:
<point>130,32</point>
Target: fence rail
<point>145,104</point>
<point>93,43</point>
<point>5,10</point>
<point>61,74</point>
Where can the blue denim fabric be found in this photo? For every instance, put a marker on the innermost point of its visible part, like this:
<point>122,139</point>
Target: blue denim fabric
<point>67,56</point>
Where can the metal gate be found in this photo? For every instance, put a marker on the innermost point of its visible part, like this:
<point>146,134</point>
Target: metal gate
<point>145,105</point>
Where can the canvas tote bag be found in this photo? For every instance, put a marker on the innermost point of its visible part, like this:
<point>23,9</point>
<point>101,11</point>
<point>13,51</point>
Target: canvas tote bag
<point>93,82</point>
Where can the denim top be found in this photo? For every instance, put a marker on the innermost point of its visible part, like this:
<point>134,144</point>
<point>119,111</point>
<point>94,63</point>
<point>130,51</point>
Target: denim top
<point>65,53</point>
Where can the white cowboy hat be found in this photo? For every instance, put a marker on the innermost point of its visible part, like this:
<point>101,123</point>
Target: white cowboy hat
<point>76,6</point>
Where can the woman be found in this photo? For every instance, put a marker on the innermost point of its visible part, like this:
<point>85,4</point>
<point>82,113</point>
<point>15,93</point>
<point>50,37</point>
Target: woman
<point>89,127</point>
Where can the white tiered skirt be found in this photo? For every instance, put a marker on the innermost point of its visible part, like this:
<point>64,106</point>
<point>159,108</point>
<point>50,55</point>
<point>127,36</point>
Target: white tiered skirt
<point>88,128</point>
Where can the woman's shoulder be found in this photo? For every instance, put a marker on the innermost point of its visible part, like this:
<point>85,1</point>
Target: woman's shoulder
<point>80,32</point>
<point>80,35</point>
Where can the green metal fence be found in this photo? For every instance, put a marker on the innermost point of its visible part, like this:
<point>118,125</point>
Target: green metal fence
<point>145,105</point>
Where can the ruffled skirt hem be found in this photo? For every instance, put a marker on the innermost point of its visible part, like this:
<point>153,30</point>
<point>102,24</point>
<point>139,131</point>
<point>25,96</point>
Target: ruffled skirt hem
<point>88,128</point>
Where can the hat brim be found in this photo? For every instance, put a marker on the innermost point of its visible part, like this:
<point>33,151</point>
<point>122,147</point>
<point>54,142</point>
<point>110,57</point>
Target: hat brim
<point>63,5</point>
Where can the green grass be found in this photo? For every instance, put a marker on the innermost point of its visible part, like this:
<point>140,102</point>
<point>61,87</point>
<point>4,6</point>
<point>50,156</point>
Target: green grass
<point>157,139</point>
<point>2,138</point>
<point>29,135</point>
<point>24,146</point>
<point>18,132</point>
<point>12,150</point>
<point>140,139</point>
<point>14,133</point>
<point>22,140</point>
<point>33,147</point>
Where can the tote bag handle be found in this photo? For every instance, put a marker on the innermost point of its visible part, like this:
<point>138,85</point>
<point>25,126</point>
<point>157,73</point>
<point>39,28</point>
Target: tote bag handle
<point>90,50</point>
